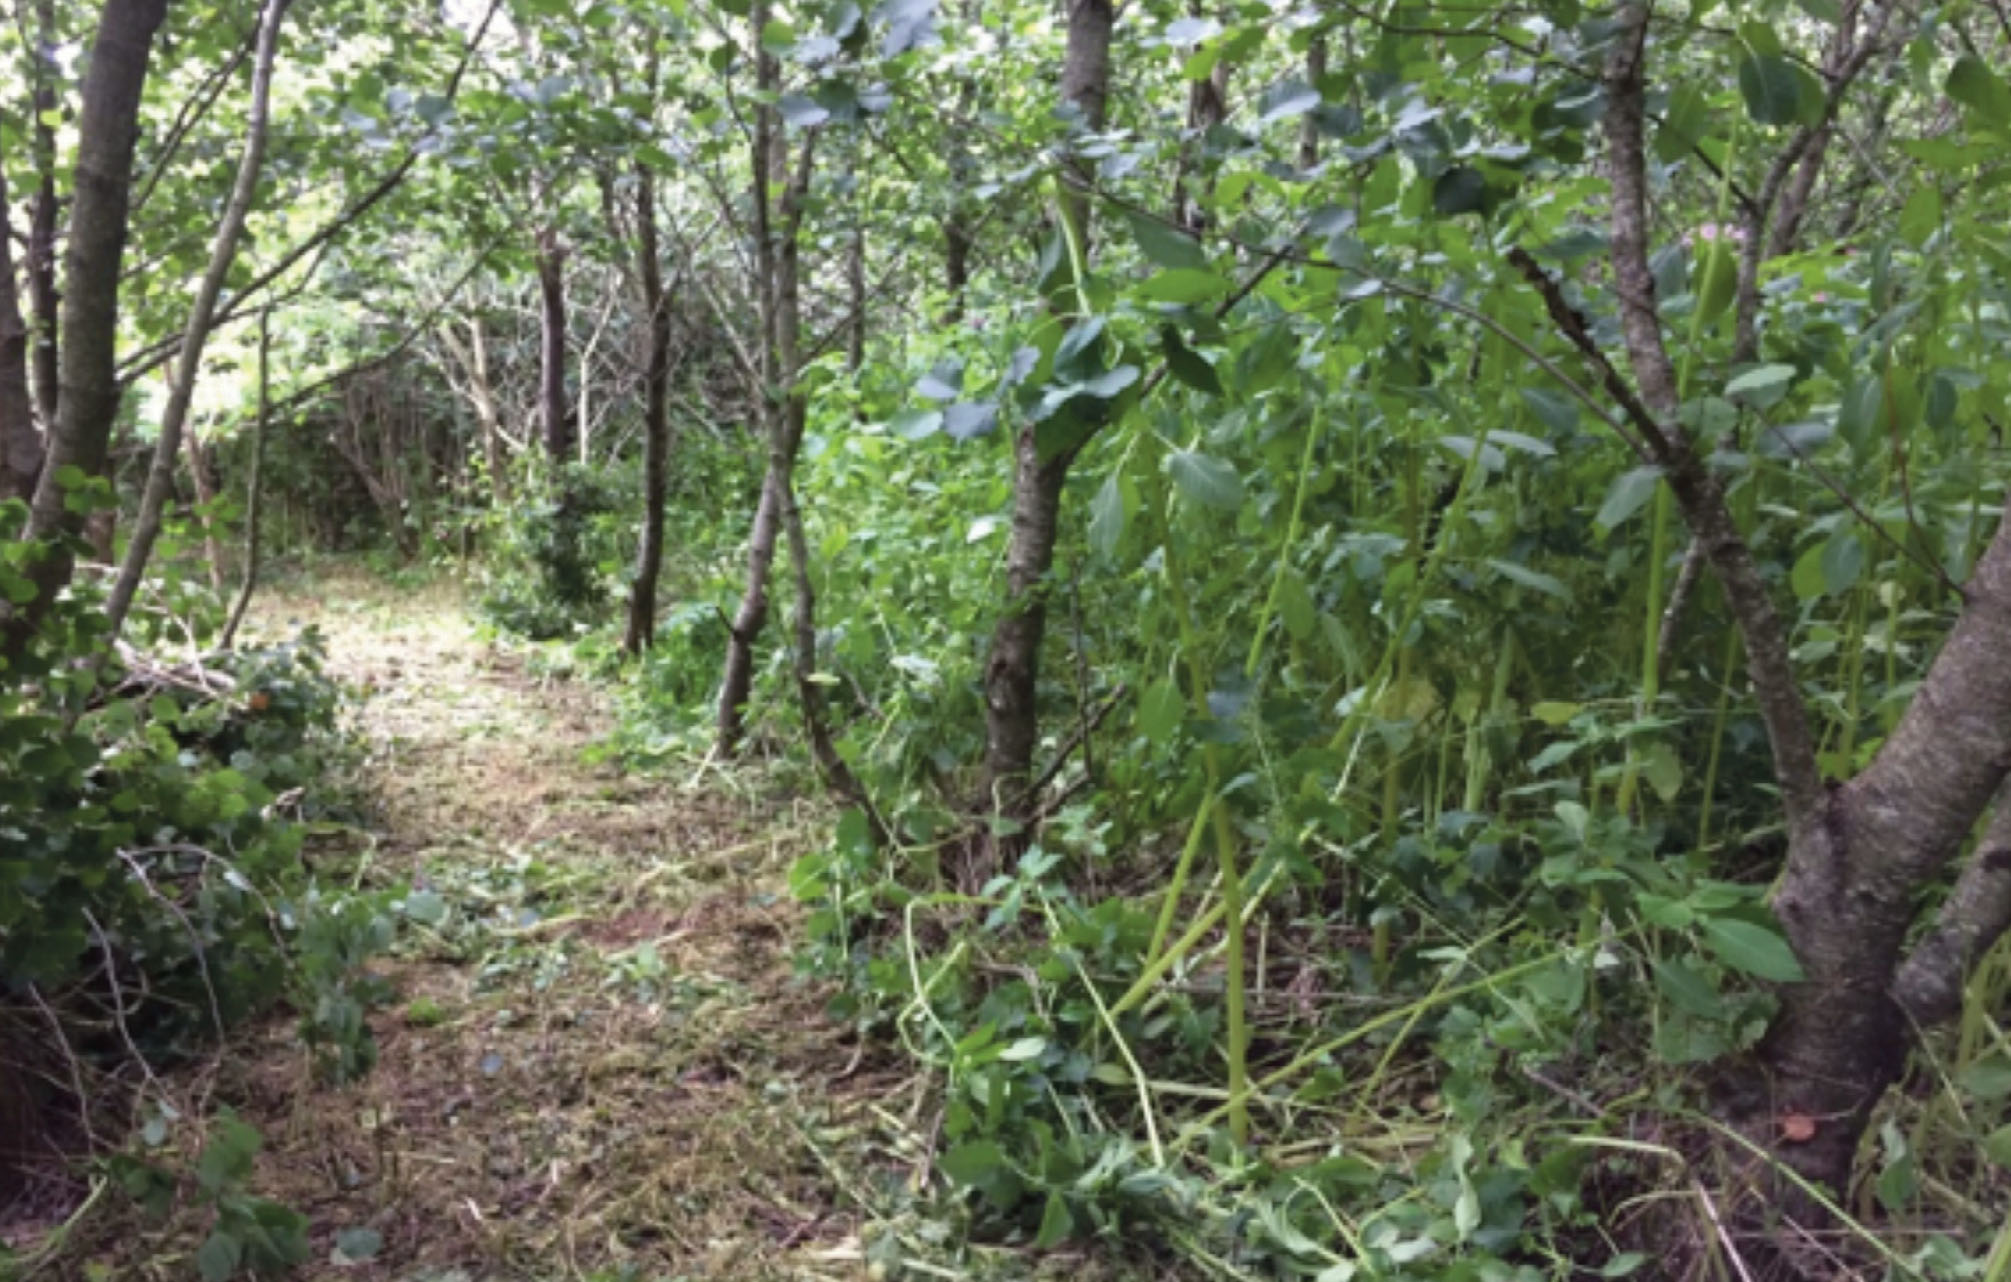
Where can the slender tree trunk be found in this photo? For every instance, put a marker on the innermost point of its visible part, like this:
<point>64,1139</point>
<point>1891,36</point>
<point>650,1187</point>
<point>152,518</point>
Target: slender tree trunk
<point>20,439</point>
<point>1309,129</point>
<point>199,477</point>
<point>254,485</point>
<point>766,159</point>
<point>43,296</point>
<point>957,245</point>
<point>1012,672</point>
<point>202,314</point>
<point>656,421</point>
<point>552,348</point>
<point>107,128</point>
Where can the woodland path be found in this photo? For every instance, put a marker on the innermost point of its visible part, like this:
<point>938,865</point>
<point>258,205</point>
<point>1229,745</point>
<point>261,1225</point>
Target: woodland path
<point>598,1064</point>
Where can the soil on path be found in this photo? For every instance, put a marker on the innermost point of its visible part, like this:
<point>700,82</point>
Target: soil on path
<point>598,1063</point>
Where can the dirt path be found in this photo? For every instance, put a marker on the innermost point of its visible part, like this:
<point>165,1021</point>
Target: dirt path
<point>598,1064</point>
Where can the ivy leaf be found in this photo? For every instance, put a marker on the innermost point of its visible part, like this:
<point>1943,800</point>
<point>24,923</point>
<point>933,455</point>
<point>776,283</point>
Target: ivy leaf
<point>1207,481</point>
<point>1754,949</point>
<point>1164,244</point>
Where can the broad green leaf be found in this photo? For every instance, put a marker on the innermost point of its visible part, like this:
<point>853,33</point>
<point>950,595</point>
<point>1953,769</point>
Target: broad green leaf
<point>1842,561</point>
<point>1164,244</point>
<point>1160,710</point>
<point>1554,713</point>
<point>1687,990</point>
<point>1055,1224</point>
<point>1663,770</point>
<point>1973,84</point>
<point>218,1257</point>
<point>1754,949</point>
<point>1106,518</point>
<point>1627,495</point>
<point>1184,285</point>
<point>1920,217</point>
<point>973,1162</point>
<point>1685,123</point>
<point>1771,88</point>
<point>1286,100</point>
<point>1762,385</point>
<point>1459,190</point>
<point>1557,410</point>
<point>1529,578</point>
<point>1187,365</point>
<point>1205,480</point>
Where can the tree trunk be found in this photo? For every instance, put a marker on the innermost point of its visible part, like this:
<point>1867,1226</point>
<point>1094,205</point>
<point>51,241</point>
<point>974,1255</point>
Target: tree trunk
<point>1860,855</point>
<point>199,476</point>
<point>656,421</point>
<point>202,314</point>
<point>1012,672</point>
<point>254,486</point>
<point>1309,129</point>
<point>552,348</point>
<point>44,299</point>
<point>20,439</point>
<point>107,128</point>
<point>765,158</point>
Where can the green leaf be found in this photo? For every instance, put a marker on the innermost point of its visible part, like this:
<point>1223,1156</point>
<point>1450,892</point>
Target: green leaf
<point>1184,285</point>
<point>1842,561</point>
<point>1286,100</point>
<point>1997,1146</point>
<point>1687,990</point>
<point>1164,244</point>
<point>1459,190</point>
<point>1807,578</point>
<point>1920,218</point>
<point>425,907</point>
<point>1981,90</point>
<point>1754,949</point>
<point>1663,770</point>
<point>1055,1224</point>
<point>1685,123</point>
<point>1529,578</point>
<point>226,1158</point>
<point>1988,1078</point>
<point>1558,411</point>
<point>973,1162</point>
<point>218,1257</point>
<point>1627,495</point>
<point>1160,709</point>
<point>358,1244</point>
<point>1553,713</point>
<point>1187,365</point>
<point>1771,88</point>
<point>1106,518</point>
<point>1204,480</point>
<point>1762,385</point>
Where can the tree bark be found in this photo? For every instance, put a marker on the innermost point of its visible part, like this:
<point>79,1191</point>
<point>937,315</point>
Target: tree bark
<point>1858,855</point>
<point>44,299</point>
<point>202,316</point>
<point>1012,672</point>
<point>1309,129</point>
<point>765,158</point>
<point>107,129</point>
<point>254,486</point>
<point>199,477</point>
<point>656,421</point>
<point>20,439</point>
<point>552,348</point>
